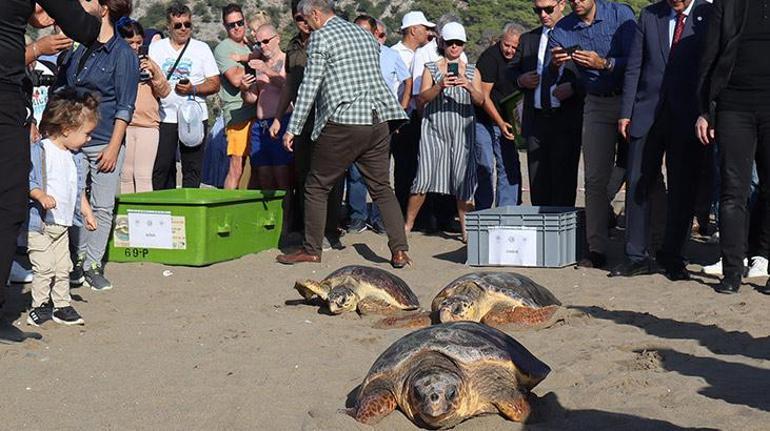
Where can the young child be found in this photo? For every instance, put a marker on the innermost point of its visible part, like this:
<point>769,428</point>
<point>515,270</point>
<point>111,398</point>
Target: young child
<point>57,201</point>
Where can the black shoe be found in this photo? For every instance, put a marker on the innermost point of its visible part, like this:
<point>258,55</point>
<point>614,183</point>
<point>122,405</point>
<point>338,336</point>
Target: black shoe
<point>766,289</point>
<point>593,260</point>
<point>77,275</point>
<point>677,274</point>
<point>39,315</point>
<point>357,226</point>
<point>631,268</point>
<point>67,316</point>
<point>378,227</point>
<point>729,284</point>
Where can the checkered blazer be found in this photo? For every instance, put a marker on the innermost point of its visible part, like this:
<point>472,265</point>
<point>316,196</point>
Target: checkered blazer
<point>344,80</point>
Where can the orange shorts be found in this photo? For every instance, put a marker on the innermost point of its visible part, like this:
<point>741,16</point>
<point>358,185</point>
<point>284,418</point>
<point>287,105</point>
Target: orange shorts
<point>238,139</point>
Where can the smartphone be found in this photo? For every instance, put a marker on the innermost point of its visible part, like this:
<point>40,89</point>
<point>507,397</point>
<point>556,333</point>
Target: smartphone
<point>249,70</point>
<point>184,81</point>
<point>571,50</point>
<point>143,50</point>
<point>453,69</point>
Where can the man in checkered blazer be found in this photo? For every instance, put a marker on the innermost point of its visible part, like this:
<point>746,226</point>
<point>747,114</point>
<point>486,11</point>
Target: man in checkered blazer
<point>353,108</point>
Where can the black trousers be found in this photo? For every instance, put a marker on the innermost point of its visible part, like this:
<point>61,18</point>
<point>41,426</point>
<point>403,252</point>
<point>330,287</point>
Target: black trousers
<point>405,147</point>
<point>743,136</point>
<point>553,154</point>
<point>14,189</point>
<point>675,138</point>
<point>164,171</point>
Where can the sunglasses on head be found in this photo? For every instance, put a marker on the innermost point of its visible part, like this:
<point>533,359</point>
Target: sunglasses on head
<point>547,9</point>
<point>265,41</point>
<point>179,25</point>
<point>234,24</point>
<point>299,18</point>
<point>455,42</point>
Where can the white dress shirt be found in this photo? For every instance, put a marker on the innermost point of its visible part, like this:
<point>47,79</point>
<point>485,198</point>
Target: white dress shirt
<point>540,59</point>
<point>672,21</point>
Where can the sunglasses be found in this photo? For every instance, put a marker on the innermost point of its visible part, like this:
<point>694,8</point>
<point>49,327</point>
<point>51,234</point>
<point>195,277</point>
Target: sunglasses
<point>455,42</point>
<point>179,25</point>
<point>234,24</point>
<point>547,9</point>
<point>265,41</point>
<point>299,18</point>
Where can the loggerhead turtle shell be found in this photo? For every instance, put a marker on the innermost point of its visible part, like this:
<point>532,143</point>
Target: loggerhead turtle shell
<point>378,279</point>
<point>515,286</point>
<point>465,343</point>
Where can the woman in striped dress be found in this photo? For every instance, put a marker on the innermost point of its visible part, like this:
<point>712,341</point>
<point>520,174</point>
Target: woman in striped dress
<point>446,163</point>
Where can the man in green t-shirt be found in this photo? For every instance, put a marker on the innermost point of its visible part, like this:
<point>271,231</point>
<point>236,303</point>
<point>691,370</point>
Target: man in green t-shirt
<point>238,116</point>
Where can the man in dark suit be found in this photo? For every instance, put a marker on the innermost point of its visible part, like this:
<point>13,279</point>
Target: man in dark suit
<point>734,92</point>
<point>657,112</point>
<point>553,113</point>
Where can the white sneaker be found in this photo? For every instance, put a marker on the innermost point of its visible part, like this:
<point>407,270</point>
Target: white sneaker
<point>19,274</point>
<point>758,267</point>
<point>716,268</point>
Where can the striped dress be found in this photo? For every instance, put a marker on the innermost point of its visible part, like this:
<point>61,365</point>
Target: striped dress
<point>446,164</point>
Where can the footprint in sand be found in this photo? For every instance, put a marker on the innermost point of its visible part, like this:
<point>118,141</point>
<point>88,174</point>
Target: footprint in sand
<point>740,308</point>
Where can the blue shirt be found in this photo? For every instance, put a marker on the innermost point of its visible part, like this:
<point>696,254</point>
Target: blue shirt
<point>610,35</point>
<point>112,72</point>
<point>394,70</point>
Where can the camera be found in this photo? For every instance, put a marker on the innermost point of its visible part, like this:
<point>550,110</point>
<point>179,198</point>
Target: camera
<point>38,79</point>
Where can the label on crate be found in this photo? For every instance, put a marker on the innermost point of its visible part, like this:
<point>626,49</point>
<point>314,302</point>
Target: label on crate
<point>516,246</point>
<point>150,229</point>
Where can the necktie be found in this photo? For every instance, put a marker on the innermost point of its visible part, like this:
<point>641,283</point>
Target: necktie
<point>545,77</point>
<point>678,30</point>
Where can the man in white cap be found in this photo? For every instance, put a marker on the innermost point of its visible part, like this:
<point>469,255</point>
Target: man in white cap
<point>415,31</point>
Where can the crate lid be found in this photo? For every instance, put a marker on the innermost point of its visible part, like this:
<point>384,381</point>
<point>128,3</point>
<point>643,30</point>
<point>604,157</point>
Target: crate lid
<point>199,196</point>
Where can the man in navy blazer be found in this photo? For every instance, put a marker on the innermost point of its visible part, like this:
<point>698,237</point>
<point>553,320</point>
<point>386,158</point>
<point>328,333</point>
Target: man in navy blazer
<point>658,110</point>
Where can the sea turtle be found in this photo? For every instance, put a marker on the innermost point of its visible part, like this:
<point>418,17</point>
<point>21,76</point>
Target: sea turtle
<point>444,374</point>
<point>493,298</point>
<point>367,289</point>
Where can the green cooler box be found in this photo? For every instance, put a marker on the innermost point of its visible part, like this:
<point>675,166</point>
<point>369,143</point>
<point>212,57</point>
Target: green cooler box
<point>195,227</point>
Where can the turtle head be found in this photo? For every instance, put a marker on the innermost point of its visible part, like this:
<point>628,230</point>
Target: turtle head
<point>457,308</point>
<point>341,299</point>
<point>434,397</point>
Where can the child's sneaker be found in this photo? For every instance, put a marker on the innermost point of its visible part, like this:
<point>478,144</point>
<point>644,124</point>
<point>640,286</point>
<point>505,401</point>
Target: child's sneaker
<point>96,279</point>
<point>77,275</point>
<point>39,315</point>
<point>67,316</point>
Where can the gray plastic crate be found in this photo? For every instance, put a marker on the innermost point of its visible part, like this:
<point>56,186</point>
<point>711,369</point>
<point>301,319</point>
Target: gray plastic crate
<point>559,232</point>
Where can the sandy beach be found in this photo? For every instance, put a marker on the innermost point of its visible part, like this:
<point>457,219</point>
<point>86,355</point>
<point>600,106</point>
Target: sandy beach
<point>230,347</point>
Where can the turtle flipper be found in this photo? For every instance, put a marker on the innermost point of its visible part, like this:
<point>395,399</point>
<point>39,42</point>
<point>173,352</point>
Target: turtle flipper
<point>514,406</point>
<point>310,288</point>
<point>376,306</point>
<point>373,405</point>
<point>522,317</point>
<point>407,320</point>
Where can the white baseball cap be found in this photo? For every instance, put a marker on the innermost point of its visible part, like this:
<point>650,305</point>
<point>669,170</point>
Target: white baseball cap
<point>415,18</point>
<point>453,31</point>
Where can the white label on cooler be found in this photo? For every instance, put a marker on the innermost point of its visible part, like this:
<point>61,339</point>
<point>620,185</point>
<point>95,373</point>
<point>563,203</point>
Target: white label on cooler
<point>150,229</point>
<point>516,246</point>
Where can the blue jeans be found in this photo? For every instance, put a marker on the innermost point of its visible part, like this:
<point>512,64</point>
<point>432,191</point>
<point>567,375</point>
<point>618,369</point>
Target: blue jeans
<point>357,190</point>
<point>494,153</point>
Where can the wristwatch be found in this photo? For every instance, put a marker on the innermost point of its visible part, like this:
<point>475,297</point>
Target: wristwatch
<point>609,64</point>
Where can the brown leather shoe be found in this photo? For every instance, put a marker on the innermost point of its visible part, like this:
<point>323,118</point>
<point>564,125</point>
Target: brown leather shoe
<point>298,256</point>
<point>400,259</point>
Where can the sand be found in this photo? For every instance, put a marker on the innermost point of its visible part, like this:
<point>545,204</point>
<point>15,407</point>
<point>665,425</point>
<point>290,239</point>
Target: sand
<point>230,347</point>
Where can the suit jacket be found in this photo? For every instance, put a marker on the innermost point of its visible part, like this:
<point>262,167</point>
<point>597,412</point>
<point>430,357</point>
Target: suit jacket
<point>653,78</point>
<point>343,77</point>
<point>720,51</point>
<point>525,61</point>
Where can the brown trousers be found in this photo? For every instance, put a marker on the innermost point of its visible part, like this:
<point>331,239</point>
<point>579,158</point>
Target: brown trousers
<point>339,146</point>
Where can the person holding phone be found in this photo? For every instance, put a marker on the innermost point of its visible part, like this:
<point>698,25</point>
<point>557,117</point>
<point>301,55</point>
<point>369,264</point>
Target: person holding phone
<point>597,38</point>
<point>191,70</point>
<point>238,115</point>
<point>450,89</point>
<point>143,133</point>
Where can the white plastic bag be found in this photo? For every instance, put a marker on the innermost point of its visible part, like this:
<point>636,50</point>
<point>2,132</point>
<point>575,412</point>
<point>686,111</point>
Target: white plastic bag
<point>190,117</point>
